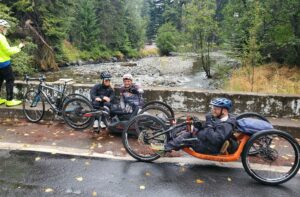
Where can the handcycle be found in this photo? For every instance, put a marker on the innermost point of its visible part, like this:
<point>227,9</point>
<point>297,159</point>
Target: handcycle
<point>34,100</point>
<point>79,117</point>
<point>270,156</point>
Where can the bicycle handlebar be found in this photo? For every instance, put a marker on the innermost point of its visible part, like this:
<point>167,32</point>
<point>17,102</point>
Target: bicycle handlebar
<point>41,78</point>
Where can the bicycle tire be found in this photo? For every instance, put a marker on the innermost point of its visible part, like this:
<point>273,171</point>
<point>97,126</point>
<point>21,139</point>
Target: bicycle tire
<point>31,100</point>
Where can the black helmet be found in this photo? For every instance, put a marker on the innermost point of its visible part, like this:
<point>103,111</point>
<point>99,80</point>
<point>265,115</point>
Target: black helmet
<point>105,75</point>
<point>222,102</point>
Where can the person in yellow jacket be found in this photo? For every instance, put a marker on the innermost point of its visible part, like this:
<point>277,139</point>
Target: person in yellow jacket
<point>6,72</point>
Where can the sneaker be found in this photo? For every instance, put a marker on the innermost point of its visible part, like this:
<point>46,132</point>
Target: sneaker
<point>13,103</point>
<point>96,124</point>
<point>157,147</point>
<point>2,101</point>
<point>102,125</point>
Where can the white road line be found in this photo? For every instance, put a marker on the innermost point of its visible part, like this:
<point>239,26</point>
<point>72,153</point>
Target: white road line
<point>182,161</point>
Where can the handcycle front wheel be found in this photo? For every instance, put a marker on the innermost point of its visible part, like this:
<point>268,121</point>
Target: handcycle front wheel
<point>73,113</point>
<point>277,160</point>
<point>142,131</point>
<point>33,106</point>
<point>163,105</point>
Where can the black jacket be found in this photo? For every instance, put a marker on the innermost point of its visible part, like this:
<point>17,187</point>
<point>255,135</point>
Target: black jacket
<point>100,91</point>
<point>214,133</point>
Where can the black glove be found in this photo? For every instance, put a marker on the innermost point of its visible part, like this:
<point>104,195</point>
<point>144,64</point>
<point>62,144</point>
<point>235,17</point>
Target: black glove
<point>133,90</point>
<point>197,123</point>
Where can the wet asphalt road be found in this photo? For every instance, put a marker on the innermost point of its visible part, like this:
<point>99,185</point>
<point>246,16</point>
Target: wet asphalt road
<point>40,174</point>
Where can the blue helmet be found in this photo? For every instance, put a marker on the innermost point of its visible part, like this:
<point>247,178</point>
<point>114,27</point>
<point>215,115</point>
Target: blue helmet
<point>222,102</point>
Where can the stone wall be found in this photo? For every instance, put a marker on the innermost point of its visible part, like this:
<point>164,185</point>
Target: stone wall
<point>194,100</point>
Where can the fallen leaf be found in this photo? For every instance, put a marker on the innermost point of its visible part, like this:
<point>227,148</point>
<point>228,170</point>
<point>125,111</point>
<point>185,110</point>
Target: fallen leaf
<point>111,136</point>
<point>87,163</point>
<point>99,145</point>
<point>272,146</point>
<point>123,149</point>
<point>25,145</point>
<point>199,181</point>
<point>37,158</point>
<point>72,134</point>
<point>229,179</point>
<point>110,142</point>
<point>94,193</point>
<point>32,132</point>
<point>53,144</point>
<point>79,178</point>
<point>182,169</point>
<point>48,190</point>
<point>148,174</point>
<point>108,152</point>
<point>142,187</point>
<point>53,153</point>
<point>73,159</point>
<point>284,157</point>
<point>99,138</point>
<point>26,134</point>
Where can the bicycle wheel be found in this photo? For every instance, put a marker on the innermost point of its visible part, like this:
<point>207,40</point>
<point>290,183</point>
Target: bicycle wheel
<point>158,112</point>
<point>254,115</point>
<point>277,160</point>
<point>140,133</point>
<point>33,106</point>
<point>73,111</point>
<point>165,106</point>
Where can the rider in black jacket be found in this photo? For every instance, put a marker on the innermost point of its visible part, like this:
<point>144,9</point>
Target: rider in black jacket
<point>102,95</point>
<point>217,129</point>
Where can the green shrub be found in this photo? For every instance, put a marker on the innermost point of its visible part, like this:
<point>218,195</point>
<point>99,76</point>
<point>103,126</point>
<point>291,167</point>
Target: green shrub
<point>168,39</point>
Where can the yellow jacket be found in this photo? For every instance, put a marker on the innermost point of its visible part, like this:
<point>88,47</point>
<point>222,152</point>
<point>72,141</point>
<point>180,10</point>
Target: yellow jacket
<point>5,50</point>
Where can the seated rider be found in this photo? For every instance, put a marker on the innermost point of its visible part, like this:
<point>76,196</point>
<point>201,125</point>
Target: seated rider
<point>102,95</point>
<point>217,129</point>
<point>130,95</point>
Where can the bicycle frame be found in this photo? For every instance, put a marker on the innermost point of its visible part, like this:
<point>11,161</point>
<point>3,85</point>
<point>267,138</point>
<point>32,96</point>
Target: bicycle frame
<point>42,86</point>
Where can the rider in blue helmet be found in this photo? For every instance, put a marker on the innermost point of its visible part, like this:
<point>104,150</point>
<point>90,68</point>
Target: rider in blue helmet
<point>210,136</point>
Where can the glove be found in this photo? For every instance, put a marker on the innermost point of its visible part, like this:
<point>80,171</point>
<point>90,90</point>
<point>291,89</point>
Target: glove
<point>133,90</point>
<point>197,123</point>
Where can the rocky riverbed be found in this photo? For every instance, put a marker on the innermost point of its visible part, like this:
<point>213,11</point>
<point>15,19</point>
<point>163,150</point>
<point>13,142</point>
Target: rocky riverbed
<point>173,71</point>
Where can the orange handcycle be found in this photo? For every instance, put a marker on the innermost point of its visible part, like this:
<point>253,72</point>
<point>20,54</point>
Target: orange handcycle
<point>270,156</point>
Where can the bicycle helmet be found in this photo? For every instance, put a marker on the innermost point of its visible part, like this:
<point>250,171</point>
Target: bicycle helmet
<point>105,75</point>
<point>127,76</point>
<point>222,102</point>
<point>4,23</point>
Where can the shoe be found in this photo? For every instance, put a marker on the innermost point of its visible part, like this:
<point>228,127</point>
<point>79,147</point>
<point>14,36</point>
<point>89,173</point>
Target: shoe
<point>2,101</point>
<point>157,147</point>
<point>102,125</point>
<point>13,103</point>
<point>96,124</point>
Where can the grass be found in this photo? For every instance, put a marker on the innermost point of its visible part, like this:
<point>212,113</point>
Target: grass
<point>149,52</point>
<point>269,78</point>
<point>71,52</point>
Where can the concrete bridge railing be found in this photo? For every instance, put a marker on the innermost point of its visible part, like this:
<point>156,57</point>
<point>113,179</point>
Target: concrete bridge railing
<point>194,100</point>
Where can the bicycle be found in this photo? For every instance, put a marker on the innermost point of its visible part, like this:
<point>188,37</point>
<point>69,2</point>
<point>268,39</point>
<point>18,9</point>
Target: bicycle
<point>270,156</point>
<point>34,99</point>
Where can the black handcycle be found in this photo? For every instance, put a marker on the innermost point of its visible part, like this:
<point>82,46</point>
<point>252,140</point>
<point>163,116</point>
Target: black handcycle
<point>79,117</point>
<point>35,100</point>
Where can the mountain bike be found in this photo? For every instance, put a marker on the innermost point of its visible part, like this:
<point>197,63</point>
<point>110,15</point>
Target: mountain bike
<point>36,100</point>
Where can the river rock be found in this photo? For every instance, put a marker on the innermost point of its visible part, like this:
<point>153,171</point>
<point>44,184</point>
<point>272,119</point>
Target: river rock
<point>128,64</point>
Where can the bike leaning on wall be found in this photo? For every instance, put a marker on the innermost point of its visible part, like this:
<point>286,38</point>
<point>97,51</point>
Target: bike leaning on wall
<point>43,96</point>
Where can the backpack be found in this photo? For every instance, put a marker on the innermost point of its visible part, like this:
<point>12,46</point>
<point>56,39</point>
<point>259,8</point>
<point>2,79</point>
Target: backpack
<point>250,126</point>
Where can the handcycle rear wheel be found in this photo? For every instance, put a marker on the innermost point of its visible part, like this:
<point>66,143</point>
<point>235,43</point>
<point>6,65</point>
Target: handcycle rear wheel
<point>139,134</point>
<point>276,162</point>
<point>73,113</point>
<point>33,106</point>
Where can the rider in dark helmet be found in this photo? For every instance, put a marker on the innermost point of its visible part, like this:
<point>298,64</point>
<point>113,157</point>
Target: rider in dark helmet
<point>217,128</point>
<point>102,95</point>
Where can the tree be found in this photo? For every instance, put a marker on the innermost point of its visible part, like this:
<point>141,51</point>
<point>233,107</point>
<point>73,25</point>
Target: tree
<point>85,30</point>
<point>167,39</point>
<point>202,29</point>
